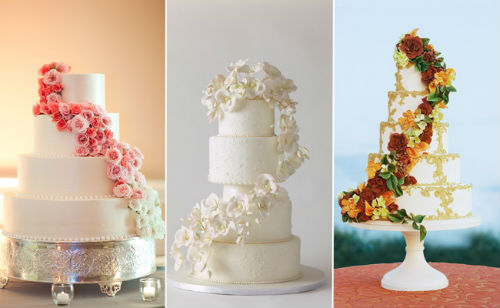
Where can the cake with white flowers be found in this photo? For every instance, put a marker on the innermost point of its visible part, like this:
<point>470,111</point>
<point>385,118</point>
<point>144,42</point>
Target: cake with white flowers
<point>245,236</point>
<point>413,176</point>
<point>80,184</point>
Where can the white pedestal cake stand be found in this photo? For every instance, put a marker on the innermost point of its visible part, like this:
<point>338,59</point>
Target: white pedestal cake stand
<point>106,263</point>
<point>310,279</point>
<point>415,274</point>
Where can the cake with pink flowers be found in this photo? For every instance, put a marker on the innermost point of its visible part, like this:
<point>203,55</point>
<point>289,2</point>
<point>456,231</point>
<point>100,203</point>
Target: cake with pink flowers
<point>80,183</point>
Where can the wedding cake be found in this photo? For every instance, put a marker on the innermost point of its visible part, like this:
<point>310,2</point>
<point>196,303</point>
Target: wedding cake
<point>413,176</point>
<point>245,235</point>
<point>80,184</point>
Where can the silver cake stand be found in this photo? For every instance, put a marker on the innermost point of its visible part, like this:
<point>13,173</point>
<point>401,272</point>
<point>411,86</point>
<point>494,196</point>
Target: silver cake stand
<point>415,274</point>
<point>106,263</point>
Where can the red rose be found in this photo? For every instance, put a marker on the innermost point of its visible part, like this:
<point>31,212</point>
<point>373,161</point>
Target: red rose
<point>398,143</point>
<point>46,90</point>
<point>367,194</point>
<point>426,135</point>
<point>412,46</point>
<point>392,207</point>
<point>54,107</point>
<point>44,69</point>
<point>410,180</point>
<point>378,185</point>
<point>92,142</point>
<point>108,133</point>
<point>44,108</point>
<point>428,56</point>
<point>75,109</point>
<point>56,117</point>
<point>36,109</point>
<point>56,87</point>
<point>428,75</point>
<point>425,107</point>
<point>99,135</point>
<point>43,99</point>
<point>61,125</point>
<point>91,132</point>
<point>40,83</point>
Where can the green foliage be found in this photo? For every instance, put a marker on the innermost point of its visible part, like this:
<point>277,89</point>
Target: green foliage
<point>482,248</point>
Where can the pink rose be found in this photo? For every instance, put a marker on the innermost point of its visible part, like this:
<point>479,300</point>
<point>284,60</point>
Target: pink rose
<point>44,108</point>
<point>75,109</point>
<point>61,125</point>
<point>99,110</point>
<point>99,135</point>
<point>91,132</point>
<point>63,67</point>
<point>52,77</point>
<point>56,117</point>
<point>113,155</point>
<point>94,150</point>
<point>87,114</point>
<point>138,193</point>
<point>46,90</point>
<point>36,110</point>
<point>122,191</point>
<point>56,87</point>
<point>92,142</point>
<point>138,152</point>
<point>82,151</point>
<point>82,139</point>
<point>108,133</point>
<point>44,69</point>
<point>137,163</point>
<point>124,162</point>
<point>79,124</point>
<point>106,121</point>
<point>96,121</point>
<point>64,110</point>
<point>54,107</point>
<point>54,98</point>
<point>140,178</point>
<point>113,171</point>
<point>111,142</point>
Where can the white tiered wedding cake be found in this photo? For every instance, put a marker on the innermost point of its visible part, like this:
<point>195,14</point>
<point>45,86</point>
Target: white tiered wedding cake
<point>245,236</point>
<point>80,184</point>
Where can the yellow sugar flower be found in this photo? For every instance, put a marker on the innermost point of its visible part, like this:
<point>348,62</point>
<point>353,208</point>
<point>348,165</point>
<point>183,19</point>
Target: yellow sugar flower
<point>444,78</point>
<point>407,120</point>
<point>414,32</point>
<point>368,209</point>
<point>372,168</point>
<point>401,58</point>
<point>349,207</point>
<point>432,87</point>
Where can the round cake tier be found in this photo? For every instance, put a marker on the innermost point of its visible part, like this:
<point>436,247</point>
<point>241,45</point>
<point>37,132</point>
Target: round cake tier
<point>79,88</point>
<point>276,226</point>
<point>49,141</point>
<point>437,201</point>
<point>402,101</point>
<point>409,79</point>
<point>239,160</point>
<point>253,263</point>
<point>64,177</point>
<point>436,169</point>
<point>249,118</point>
<point>68,220</point>
<point>439,144</point>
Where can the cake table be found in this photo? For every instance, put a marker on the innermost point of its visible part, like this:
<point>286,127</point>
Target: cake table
<point>415,274</point>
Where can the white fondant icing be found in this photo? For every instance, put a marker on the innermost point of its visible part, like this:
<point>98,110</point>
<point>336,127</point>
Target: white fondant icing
<point>239,160</point>
<point>249,118</point>
<point>63,176</point>
<point>416,200</point>
<point>411,79</point>
<point>75,219</point>
<point>49,141</point>
<point>253,263</point>
<point>79,88</point>
<point>387,128</point>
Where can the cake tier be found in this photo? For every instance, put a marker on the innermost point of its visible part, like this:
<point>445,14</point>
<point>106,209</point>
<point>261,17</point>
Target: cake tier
<point>271,228</point>
<point>437,169</point>
<point>249,118</point>
<point>437,201</point>
<point>239,160</point>
<point>68,220</point>
<point>49,141</point>
<point>439,144</point>
<point>79,88</point>
<point>409,79</point>
<point>61,177</point>
<point>402,101</point>
<point>253,263</point>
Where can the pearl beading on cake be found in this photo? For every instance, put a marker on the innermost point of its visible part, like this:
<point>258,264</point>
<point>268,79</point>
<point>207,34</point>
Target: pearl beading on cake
<point>69,239</point>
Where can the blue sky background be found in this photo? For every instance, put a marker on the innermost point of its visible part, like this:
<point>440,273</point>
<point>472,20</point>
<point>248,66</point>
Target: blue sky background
<point>468,35</point>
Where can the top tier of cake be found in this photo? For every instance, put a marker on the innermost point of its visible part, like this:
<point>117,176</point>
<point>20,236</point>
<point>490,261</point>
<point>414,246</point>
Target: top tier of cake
<point>246,145</point>
<point>410,80</point>
<point>80,88</point>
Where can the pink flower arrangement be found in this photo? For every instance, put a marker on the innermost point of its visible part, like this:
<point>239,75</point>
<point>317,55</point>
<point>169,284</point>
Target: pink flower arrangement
<point>91,126</point>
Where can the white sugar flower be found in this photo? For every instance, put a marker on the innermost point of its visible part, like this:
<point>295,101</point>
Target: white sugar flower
<point>264,204</point>
<point>237,206</point>
<point>287,142</point>
<point>240,66</point>
<point>183,237</point>
<point>215,84</point>
<point>253,87</point>
<point>265,184</point>
<point>209,206</point>
<point>288,123</point>
<point>271,70</point>
<point>198,258</point>
<point>178,257</point>
<point>226,100</point>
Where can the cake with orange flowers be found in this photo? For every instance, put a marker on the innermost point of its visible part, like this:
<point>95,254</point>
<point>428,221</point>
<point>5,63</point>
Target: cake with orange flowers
<point>413,176</point>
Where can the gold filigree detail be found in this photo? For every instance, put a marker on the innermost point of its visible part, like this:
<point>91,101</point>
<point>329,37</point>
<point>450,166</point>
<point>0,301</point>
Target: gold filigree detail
<point>444,193</point>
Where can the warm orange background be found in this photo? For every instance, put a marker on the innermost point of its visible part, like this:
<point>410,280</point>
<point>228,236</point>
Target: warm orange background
<point>124,39</point>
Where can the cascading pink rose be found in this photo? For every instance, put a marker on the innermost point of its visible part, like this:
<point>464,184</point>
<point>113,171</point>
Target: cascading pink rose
<point>82,151</point>
<point>106,121</point>
<point>140,178</point>
<point>52,77</point>
<point>87,114</point>
<point>114,172</point>
<point>138,152</point>
<point>91,132</point>
<point>113,155</point>
<point>75,109</point>
<point>54,107</point>
<point>54,97</point>
<point>92,142</point>
<point>99,135</point>
<point>137,163</point>
<point>56,87</point>
<point>63,67</point>
<point>108,133</point>
<point>79,124</point>
<point>44,69</point>
<point>61,125</point>
<point>96,121</point>
<point>44,108</point>
<point>56,117</point>
<point>64,110</point>
<point>82,139</point>
<point>122,191</point>
<point>138,193</point>
<point>94,150</point>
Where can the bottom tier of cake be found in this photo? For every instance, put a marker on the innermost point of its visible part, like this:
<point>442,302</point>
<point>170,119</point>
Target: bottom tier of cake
<point>436,201</point>
<point>253,262</point>
<point>68,219</point>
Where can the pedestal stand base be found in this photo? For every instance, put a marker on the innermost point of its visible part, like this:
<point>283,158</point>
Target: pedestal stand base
<point>310,279</point>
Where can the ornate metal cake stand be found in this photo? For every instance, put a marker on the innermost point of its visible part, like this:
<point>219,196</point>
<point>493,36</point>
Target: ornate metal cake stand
<point>415,274</point>
<point>106,263</point>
